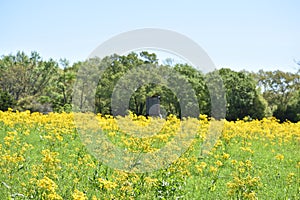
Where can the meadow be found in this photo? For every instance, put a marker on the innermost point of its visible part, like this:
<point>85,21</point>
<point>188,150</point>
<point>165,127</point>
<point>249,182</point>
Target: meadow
<point>45,157</point>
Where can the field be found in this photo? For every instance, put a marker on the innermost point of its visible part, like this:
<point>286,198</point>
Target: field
<point>46,157</point>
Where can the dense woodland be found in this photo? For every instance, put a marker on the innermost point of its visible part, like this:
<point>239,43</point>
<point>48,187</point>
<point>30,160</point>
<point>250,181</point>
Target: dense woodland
<point>27,82</point>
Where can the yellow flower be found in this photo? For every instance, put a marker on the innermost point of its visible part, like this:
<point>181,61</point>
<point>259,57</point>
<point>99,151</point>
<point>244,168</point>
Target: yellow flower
<point>94,197</point>
<point>219,163</point>
<point>47,184</point>
<point>150,181</point>
<point>112,133</point>
<point>54,196</point>
<point>225,156</point>
<point>50,157</point>
<point>234,162</point>
<point>251,195</point>
<point>213,169</point>
<point>290,178</point>
<point>75,180</point>
<point>106,184</point>
<point>279,157</point>
<point>248,163</point>
<point>77,195</point>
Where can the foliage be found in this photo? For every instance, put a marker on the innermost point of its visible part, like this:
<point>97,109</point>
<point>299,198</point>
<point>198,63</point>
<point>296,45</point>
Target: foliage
<point>26,77</point>
<point>242,96</point>
<point>6,100</point>
<point>38,85</point>
<point>280,90</point>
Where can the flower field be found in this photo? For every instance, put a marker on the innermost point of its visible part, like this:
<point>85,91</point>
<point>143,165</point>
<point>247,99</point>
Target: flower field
<point>45,157</point>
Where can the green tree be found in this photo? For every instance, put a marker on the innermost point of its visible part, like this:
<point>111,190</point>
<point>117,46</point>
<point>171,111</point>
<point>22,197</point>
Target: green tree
<point>116,67</point>
<point>26,78</point>
<point>242,97</point>
<point>149,57</point>
<point>60,93</point>
<point>279,89</point>
<point>197,80</point>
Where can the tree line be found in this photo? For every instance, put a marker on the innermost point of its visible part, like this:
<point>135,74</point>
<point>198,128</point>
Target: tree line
<point>27,82</point>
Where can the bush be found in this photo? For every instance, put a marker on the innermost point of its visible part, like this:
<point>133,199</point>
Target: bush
<point>6,100</point>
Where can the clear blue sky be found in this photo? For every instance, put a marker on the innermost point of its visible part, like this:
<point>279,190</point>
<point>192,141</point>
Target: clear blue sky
<point>238,34</point>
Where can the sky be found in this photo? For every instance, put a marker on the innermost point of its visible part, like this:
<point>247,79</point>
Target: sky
<point>248,35</point>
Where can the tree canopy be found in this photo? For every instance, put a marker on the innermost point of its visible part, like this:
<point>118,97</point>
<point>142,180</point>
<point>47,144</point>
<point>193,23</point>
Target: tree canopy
<point>27,82</point>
